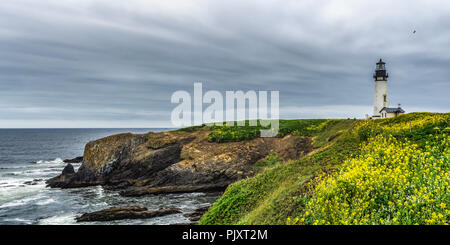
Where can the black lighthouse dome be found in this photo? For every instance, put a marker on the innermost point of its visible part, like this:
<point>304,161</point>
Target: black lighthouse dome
<point>380,71</point>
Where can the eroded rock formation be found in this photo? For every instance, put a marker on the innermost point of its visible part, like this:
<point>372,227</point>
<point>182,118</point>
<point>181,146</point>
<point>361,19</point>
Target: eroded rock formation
<point>130,212</point>
<point>174,161</point>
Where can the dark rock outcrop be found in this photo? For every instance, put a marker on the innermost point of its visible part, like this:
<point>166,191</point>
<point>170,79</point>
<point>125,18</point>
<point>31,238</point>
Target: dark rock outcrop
<point>33,182</point>
<point>68,169</point>
<point>30,183</point>
<point>144,190</point>
<point>175,161</point>
<point>64,179</point>
<point>74,160</point>
<point>197,214</point>
<point>130,212</point>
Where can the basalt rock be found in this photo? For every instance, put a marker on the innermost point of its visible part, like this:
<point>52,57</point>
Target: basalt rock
<point>68,169</point>
<point>197,214</point>
<point>33,182</point>
<point>64,179</point>
<point>175,161</point>
<point>30,183</point>
<point>74,160</point>
<point>144,190</point>
<point>130,212</point>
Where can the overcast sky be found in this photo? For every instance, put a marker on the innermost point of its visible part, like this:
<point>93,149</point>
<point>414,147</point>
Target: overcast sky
<point>115,63</point>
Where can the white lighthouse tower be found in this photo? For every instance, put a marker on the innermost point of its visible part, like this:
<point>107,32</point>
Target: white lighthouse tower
<point>381,103</point>
<point>381,90</point>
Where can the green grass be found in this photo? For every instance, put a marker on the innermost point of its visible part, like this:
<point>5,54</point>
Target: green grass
<point>270,161</point>
<point>392,181</point>
<point>280,191</point>
<point>227,133</point>
<point>270,196</point>
<point>191,129</point>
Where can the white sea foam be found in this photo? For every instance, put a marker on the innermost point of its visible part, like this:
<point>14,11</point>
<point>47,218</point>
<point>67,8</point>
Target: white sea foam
<point>45,202</point>
<point>21,201</point>
<point>55,161</point>
<point>66,219</point>
<point>26,221</point>
<point>12,190</point>
<point>37,173</point>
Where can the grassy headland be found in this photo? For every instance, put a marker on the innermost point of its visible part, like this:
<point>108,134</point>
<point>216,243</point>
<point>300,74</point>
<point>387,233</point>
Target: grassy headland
<point>386,171</point>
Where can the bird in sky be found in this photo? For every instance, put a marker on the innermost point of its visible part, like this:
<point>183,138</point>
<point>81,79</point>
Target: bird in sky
<point>414,32</point>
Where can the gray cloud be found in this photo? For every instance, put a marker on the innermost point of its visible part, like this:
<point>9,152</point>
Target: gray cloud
<point>108,63</point>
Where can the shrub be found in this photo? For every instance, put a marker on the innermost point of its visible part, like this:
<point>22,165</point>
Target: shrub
<point>389,182</point>
<point>227,133</point>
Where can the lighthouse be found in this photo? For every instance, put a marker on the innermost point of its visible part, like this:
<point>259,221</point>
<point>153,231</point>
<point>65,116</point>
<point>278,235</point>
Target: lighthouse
<point>381,102</point>
<point>381,90</point>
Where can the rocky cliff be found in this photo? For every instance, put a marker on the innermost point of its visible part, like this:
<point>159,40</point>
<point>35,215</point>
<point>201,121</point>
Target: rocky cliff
<point>174,161</point>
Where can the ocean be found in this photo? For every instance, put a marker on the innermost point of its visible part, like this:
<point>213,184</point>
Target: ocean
<point>28,157</point>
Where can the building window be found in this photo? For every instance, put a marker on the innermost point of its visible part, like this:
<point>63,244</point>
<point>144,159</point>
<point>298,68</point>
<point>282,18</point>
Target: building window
<point>385,98</point>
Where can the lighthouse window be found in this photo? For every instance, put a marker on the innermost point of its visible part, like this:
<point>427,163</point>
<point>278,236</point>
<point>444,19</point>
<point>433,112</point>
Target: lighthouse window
<point>384,98</point>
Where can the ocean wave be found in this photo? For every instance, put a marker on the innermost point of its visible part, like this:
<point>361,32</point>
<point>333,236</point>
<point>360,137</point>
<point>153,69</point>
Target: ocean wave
<point>18,221</point>
<point>19,199</point>
<point>55,161</point>
<point>39,172</point>
<point>15,189</point>
<point>11,174</point>
<point>66,219</point>
<point>45,202</point>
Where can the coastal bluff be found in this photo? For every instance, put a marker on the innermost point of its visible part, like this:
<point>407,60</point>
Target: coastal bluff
<point>174,161</point>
